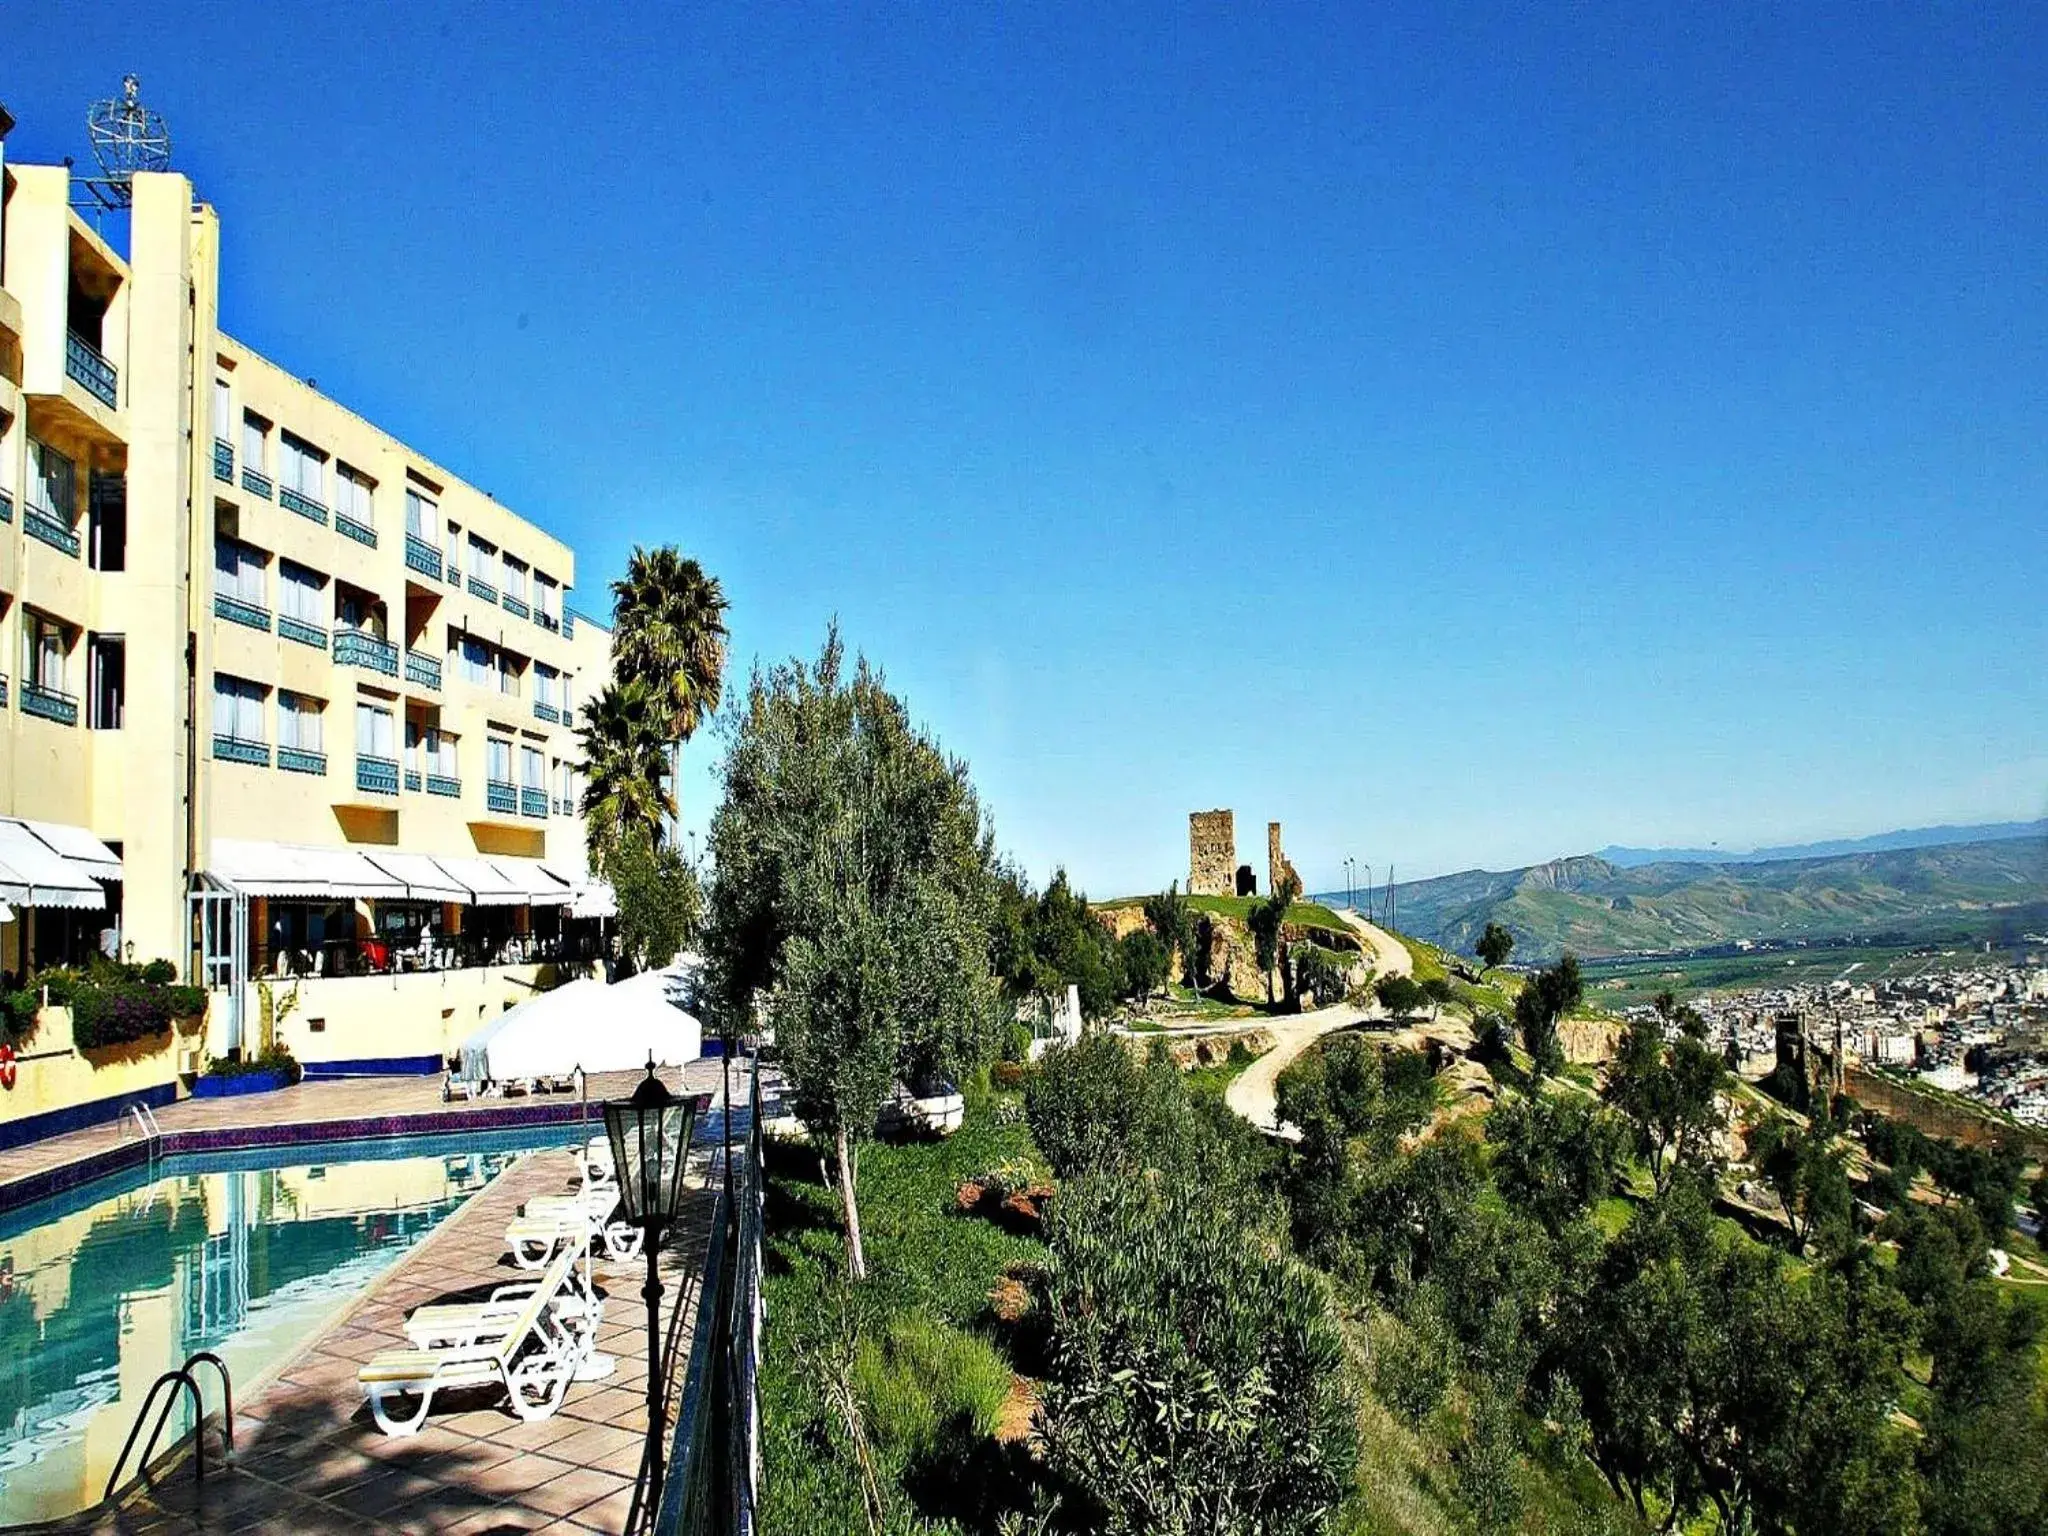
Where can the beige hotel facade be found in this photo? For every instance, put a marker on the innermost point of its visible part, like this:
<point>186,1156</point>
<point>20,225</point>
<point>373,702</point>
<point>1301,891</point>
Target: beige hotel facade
<point>287,703</point>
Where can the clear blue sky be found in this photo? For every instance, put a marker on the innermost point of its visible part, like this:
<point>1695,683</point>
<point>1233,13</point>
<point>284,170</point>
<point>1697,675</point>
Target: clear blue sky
<point>1464,437</point>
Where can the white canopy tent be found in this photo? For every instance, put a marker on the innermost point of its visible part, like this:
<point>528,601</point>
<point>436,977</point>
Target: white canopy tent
<point>585,1024</point>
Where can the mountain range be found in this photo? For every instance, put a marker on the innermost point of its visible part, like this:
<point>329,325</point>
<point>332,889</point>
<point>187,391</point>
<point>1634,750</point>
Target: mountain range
<point>1598,906</point>
<point>1914,837</point>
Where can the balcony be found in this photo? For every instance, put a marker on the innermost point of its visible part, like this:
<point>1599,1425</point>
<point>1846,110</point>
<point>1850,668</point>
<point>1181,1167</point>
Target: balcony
<point>298,760</point>
<point>235,611</point>
<point>482,589</point>
<point>442,784</point>
<point>503,798</point>
<point>360,648</point>
<point>377,775</point>
<point>3,690</point>
<point>362,533</point>
<point>546,712</point>
<point>533,802</point>
<point>305,506</point>
<point>299,630</point>
<point>223,462</point>
<point>51,703</point>
<point>412,781</point>
<point>87,368</point>
<point>422,556</point>
<point>39,524</point>
<point>232,749</point>
<point>255,482</point>
<point>547,621</point>
<point>6,508</point>
<point>422,669</point>
<point>568,625</point>
<point>515,607</point>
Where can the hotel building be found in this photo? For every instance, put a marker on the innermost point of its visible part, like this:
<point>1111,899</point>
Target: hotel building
<point>291,703</point>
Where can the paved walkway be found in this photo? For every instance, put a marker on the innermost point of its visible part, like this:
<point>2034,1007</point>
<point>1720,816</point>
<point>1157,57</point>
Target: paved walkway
<point>310,1459</point>
<point>359,1098</point>
<point>1252,1094</point>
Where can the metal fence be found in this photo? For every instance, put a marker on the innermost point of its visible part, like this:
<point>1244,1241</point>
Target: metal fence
<point>715,1460</point>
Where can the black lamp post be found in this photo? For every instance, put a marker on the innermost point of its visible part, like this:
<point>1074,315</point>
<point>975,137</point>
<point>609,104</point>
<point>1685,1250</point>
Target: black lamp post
<point>650,1137</point>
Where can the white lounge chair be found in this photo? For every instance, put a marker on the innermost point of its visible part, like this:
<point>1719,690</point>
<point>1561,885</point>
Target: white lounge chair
<point>552,1221</point>
<point>533,1359</point>
<point>566,1286</point>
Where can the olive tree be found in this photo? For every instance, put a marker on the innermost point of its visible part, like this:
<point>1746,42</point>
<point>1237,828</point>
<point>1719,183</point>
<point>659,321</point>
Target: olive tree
<point>853,900</point>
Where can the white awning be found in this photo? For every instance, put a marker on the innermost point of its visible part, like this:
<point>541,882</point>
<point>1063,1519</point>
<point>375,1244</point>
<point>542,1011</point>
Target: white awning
<point>424,880</point>
<point>485,884</point>
<point>588,895</point>
<point>536,884</point>
<point>80,847</point>
<point>290,870</point>
<point>33,874</point>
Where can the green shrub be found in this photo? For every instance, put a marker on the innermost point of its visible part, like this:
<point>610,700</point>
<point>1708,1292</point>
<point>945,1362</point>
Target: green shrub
<point>1084,1102</point>
<point>1196,1379</point>
<point>1417,1358</point>
<point>1007,1075</point>
<point>925,1386</point>
<point>159,973</point>
<point>278,1058</point>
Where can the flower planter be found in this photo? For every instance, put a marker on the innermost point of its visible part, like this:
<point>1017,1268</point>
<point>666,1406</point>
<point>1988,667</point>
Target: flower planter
<point>212,1087</point>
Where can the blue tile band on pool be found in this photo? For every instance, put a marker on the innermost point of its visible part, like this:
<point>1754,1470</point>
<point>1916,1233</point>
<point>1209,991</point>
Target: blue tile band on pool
<point>104,1285</point>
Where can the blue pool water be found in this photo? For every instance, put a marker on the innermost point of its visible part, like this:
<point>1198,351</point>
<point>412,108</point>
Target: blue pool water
<point>241,1253</point>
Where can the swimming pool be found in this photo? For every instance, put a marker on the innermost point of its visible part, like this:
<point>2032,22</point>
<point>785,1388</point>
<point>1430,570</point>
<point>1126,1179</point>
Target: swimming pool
<point>108,1285</point>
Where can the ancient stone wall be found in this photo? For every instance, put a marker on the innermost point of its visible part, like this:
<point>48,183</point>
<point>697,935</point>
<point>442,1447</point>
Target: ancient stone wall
<point>1277,864</point>
<point>1212,852</point>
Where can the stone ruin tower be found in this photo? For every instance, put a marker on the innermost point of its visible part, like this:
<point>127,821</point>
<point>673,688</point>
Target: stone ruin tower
<point>1212,853</point>
<point>1277,863</point>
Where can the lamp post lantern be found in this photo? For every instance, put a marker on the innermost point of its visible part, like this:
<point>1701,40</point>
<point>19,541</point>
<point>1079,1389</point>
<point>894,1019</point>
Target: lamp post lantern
<point>650,1137</point>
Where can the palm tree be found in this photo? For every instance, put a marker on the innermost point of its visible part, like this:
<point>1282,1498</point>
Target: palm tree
<point>669,632</point>
<point>625,789</point>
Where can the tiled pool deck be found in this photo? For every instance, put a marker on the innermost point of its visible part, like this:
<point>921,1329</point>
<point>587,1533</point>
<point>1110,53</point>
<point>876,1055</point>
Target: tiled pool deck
<point>310,1459</point>
<point>321,1111</point>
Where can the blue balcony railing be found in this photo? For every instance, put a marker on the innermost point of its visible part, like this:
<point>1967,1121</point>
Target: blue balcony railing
<point>362,533</point>
<point>422,556</point>
<point>51,703</point>
<point>256,483</point>
<point>223,462</point>
<point>376,775</point>
<point>359,648</point>
<point>299,630</point>
<point>235,611</point>
<point>482,589</point>
<point>441,784</point>
<point>232,749</point>
<point>83,362</point>
<point>568,625</point>
<point>546,712</point>
<point>533,802</point>
<point>3,690</point>
<point>412,781</point>
<point>424,670</point>
<point>305,506</point>
<point>515,607</point>
<point>547,621</point>
<point>501,797</point>
<point>6,508</point>
<point>298,760</point>
<point>39,524</point>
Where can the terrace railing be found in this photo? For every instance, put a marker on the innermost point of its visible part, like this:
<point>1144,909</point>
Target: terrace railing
<point>50,529</point>
<point>533,802</point>
<point>422,669</point>
<point>237,611</point>
<point>362,533</point>
<point>304,505</point>
<point>376,775</point>
<point>224,461</point>
<point>500,797</point>
<point>360,648</point>
<point>299,760</point>
<point>422,556</point>
<point>88,368</point>
<point>51,703</point>
<point>301,631</point>
<point>233,749</point>
<point>443,784</point>
<point>256,483</point>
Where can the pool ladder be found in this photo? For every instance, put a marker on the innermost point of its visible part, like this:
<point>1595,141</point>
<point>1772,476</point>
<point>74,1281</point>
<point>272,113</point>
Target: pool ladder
<point>181,1377</point>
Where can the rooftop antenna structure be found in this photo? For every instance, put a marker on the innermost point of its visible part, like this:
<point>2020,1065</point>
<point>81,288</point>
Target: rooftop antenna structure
<point>126,137</point>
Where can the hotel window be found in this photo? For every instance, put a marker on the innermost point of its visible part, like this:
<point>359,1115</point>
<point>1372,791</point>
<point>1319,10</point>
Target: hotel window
<point>302,593</point>
<point>547,597</point>
<point>237,570</point>
<point>412,745</point>
<point>301,467</point>
<point>565,786</point>
<point>530,769</point>
<point>45,646</point>
<point>441,753</point>
<point>299,718</point>
<point>223,413</point>
<point>352,495</point>
<point>420,516</point>
<point>515,579</point>
<point>476,662</point>
<point>52,483</point>
<point>483,557</point>
<point>545,679</point>
<point>358,611</point>
<point>255,438</point>
<point>508,675</point>
<point>497,760</point>
<point>373,731</point>
<point>238,708</point>
<point>106,667</point>
<point>453,559</point>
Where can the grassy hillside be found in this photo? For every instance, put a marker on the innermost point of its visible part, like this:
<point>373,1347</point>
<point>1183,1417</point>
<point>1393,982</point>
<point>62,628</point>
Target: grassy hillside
<point>1597,908</point>
<point>1306,914</point>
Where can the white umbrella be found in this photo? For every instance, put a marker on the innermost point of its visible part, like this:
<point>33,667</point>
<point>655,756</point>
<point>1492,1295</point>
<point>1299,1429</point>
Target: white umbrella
<point>585,1025</point>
